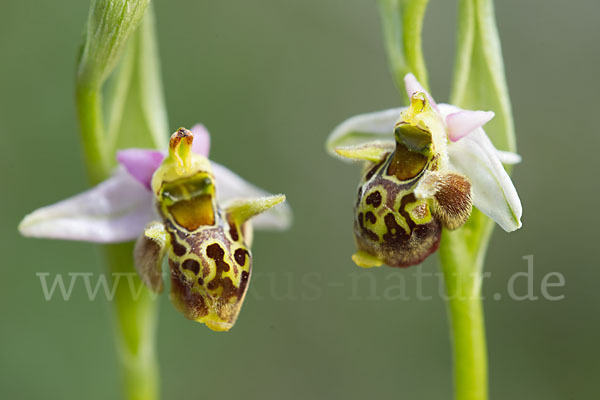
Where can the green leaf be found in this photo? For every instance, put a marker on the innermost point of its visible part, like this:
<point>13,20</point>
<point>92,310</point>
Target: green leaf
<point>479,80</point>
<point>480,84</point>
<point>402,29</point>
<point>136,113</point>
<point>110,23</point>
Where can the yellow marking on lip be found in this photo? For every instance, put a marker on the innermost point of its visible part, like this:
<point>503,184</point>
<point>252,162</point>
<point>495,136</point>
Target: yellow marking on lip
<point>366,260</point>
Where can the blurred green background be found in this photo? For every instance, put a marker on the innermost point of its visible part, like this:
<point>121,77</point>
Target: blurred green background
<point>270,79</point>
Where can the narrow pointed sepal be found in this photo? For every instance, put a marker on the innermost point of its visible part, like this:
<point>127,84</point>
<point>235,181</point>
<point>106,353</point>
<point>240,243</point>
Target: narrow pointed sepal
<point>232,187</point>
<point>148,254</point>
<point>113,211</point>
<point>373,151</point>
<point>242,210</point>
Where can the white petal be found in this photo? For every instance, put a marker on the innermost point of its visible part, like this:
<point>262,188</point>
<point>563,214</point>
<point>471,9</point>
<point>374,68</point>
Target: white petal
<point>116,210</point>
<point>364,128</point>
<point>493,192</point>
<point>231,186</point>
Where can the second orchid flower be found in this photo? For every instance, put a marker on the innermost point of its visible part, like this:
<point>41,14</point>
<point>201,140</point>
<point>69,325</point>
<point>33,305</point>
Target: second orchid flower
<point>426,166</point>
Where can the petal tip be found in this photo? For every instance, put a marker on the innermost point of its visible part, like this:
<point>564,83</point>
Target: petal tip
<point>201,144</point>
<point>24,226</point>
<point>462,123</point>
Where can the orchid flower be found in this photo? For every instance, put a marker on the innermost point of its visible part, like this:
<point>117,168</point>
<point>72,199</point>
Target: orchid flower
<point>178,204</point>
<point>427,165</point>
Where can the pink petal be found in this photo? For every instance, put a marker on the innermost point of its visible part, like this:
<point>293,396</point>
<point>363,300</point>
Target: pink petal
<point>140,163</point>
<point>412,86</point>
<point>461,123</point>
<point>201,143</point>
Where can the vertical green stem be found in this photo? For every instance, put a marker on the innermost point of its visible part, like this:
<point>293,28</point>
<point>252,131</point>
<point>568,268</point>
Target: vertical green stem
<point>402,26</point>
<point>468,334</point>
<point>134,306</point>
<point>135,310</point>
<point>135,327</point>
<point>135,314</point>
<point>479,83</point>
<point>462,254</point>
<point>89,111</point>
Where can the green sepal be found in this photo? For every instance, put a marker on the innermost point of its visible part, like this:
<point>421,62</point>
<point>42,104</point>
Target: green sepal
<point>373,152</point>
<point>239,211</point>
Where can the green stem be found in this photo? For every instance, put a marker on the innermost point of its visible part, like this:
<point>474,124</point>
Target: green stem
<point>135,317</point>
<point>134,306</point>
<point>89,111</point>
<point>462,254</point>
<point>135,312</point>
<point>468,332</point>
<point>479,83</point>
<point>402,28</point>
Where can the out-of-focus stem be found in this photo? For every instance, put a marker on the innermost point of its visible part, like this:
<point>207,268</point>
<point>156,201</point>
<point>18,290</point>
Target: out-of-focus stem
<point>135,327</point>
<point>135,310</point>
